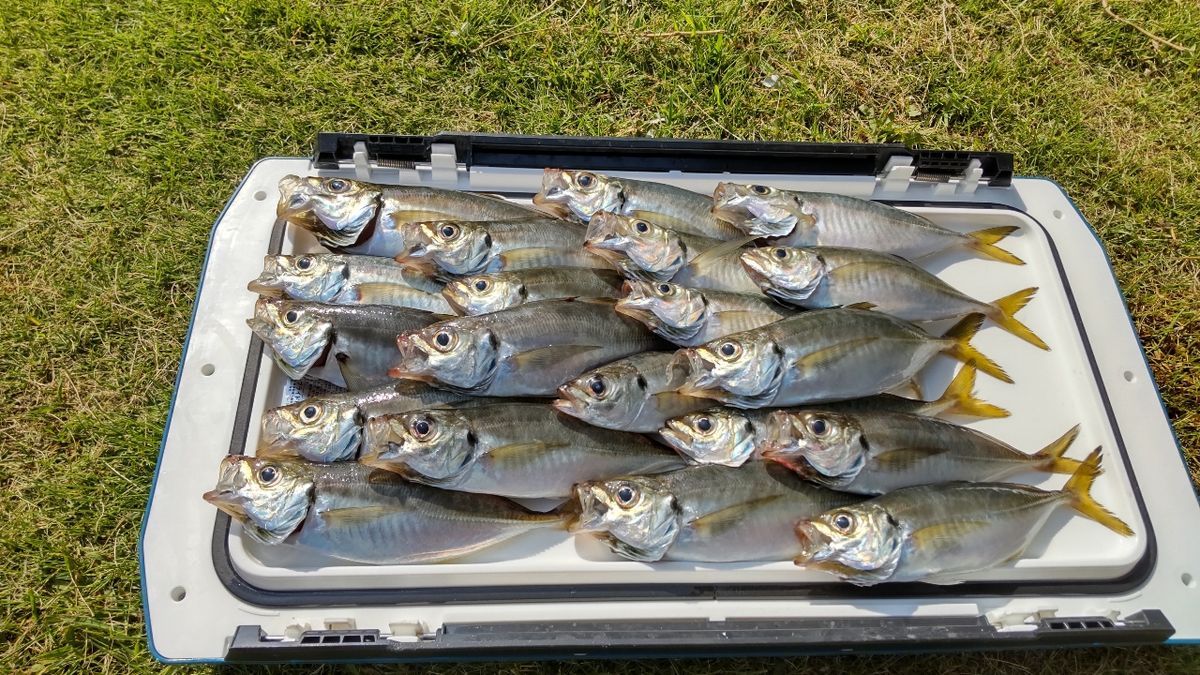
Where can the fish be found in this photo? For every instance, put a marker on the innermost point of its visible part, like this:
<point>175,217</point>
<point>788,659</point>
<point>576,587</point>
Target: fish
<point>524,450</point>
<point>794,218</point>
<point>340,279</point>
<point>361,338</point>
<point>702,513</point>
<point>329,427</point>
<point>941,533</point>
<point>877,452</point>
<point>529,350</point>
<point>692,316</point>
<point>485,293</point>
<point>823,276</point>
<point>636,393</point>
<point>642,249</point>
<point>352,512</point>
<point>465,247</point>
<point>731,437</point>
<point>349,216</point>
<point>824,355</point>
<point>586,193</point>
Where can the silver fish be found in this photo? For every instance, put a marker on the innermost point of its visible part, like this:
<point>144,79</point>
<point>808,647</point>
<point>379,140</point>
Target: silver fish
<point>350,216</point>
<point>509,449</point>
<point>329,428</point>
<point>529,350</point>
<point>824,355</point>
<point>939,533</point>
<point>352,512</point>
<point>825,219</point>
<point>691,316</point>
<point>339,279</point>
<point>464,247</point>
<point>485,293</point>
<point>821,277</point>
<point>642,249</point>
<point>361,338</point>
<point>585,193</point>
<point>636,393</point>
<point>730,437</point>
<point>702,513</point>
<point>877,452</point>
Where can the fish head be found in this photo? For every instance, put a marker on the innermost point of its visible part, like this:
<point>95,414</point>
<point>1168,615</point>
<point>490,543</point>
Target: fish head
<point>743,365</point>
<point>297,335</point>
<point>822,445</point>
<point>861,543</point>
<point>268,496</point>
<point>459,247</point>
<point>582,193</point>
<point>450,352</point>
<point>484,293</point>
<point>675,312</point>
<point>335,210</point>
<point>785,272</point>
<point>430,446</point>
<point>315,278</point>
<point>609,396</point>
<point>716,436</point>
<point>654,250</point>
<point>761,210</point>
<point>317,429</point>
<point>636,516</point>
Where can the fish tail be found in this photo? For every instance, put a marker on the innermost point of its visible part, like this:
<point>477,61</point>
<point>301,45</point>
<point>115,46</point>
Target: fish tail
<point>984,242</point>
<point>1050,458</point>
<point>1003,310</point>
<point>1079,489</point>
<point>959,397</point>
<point>961,348</point>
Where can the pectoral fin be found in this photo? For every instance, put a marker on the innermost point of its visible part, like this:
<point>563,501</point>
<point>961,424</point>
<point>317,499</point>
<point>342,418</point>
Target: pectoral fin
<point>549,356</point>
<point>936,536</point>
<point>520,452</point>
<point>823,357</point>
<point>898,459</point>
<point>353,515</point>
<point>718,522</point>
<point>718,252</point>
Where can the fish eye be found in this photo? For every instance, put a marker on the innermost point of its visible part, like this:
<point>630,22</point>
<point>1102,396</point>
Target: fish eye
<point>760,189</point>
<point>664,288</point>
<point>818,426</point>
<point>421,428</point>
<point>585,180</point>
<point>626,495</point>
<point>310,413</point>
<point>291,316</point>
<point>730,349</point>
<point>448,231</point>
<point>268,475</point>
<point>642,226</point>
<point>704,424</point>
<point>843,522</point>
<point>305,262</point>
<point>443,339</point>
<point>597,386</point>
<point>337,185</point>
<point>780,253</point>
<point>481,285</point>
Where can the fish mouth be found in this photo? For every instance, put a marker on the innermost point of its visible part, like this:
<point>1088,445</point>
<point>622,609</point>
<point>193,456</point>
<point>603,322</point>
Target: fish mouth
<point>591,511</point>
<point>568,403</point>
<point>227,501</point>
<point>675,437</point>
<point>267,286</point>
<point>753,264</point>
<point>702,380</point>
<point>812,542</point>
<point>291,202</point>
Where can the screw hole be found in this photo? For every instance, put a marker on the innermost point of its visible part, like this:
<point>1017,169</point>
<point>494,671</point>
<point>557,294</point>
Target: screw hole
<point>1128,375</point>
<point>1058,214</point>
<point>1188,580</point>
<point>207,369</point>
<point>178,593</point>
<point>260,195</point>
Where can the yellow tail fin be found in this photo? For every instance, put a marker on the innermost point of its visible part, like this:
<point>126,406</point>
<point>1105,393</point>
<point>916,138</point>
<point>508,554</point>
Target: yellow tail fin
<point>1004,309</point>
<point>961,349</point>
<point>1050,458</point>
<point>984,241</point>
<point>959,397</point>
<point>1079,488</point>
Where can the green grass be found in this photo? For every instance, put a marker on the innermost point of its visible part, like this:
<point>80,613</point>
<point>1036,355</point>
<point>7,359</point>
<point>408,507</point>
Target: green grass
<point>124,126</point>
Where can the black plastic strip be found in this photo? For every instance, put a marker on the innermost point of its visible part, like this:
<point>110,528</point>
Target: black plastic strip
<point>1137,576</point>
<point>696,638</point>
<point>654,154</point>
